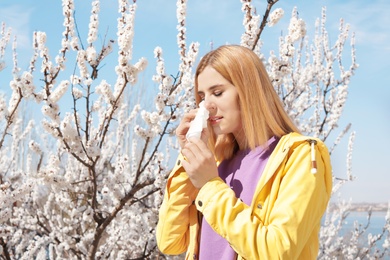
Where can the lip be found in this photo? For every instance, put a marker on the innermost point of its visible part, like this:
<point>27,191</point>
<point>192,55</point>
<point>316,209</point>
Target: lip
<point>215,119</point>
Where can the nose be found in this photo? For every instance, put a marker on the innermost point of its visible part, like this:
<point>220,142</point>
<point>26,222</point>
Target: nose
<point>209,105</point>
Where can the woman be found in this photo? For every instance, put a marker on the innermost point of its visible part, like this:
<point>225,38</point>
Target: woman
<point>252,187</point>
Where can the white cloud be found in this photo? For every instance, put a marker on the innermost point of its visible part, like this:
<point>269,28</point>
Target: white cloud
<point>17,18</point>
<point>369,21</point>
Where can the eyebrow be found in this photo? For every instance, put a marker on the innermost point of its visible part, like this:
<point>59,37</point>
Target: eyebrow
<point>211,88</point>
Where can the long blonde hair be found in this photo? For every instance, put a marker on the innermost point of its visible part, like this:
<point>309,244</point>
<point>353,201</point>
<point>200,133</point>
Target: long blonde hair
<point>262,112</point>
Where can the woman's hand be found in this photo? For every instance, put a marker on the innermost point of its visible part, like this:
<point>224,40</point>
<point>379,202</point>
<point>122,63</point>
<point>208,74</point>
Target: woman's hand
<point>200,163</point>
<point>183,127</point>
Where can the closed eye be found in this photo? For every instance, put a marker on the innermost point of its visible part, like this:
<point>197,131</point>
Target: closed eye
<point>215,90</point>
<point>217,93</point>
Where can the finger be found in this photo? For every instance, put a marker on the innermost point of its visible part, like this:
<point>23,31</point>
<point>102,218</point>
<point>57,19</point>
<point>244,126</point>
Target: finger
<point>185,123</point>
<point>200,145</point>
<point>186,165</point>
<point>205,135</point>
<point>188,117</point>
<point>182,129</point>
<point>198,148</point>
<point>188,154</point>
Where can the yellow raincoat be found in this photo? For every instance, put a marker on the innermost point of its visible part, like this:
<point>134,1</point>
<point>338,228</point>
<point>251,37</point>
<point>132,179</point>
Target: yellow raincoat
<point>283,220</point>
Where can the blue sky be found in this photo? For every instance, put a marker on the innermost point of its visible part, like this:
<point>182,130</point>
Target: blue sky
<point>220,21</point>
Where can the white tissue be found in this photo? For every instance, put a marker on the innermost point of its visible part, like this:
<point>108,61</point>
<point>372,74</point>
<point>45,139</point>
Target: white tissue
<point>199,122</point>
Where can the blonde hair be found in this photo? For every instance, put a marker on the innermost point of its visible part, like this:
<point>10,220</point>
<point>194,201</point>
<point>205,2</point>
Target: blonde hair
<point>262,111</point>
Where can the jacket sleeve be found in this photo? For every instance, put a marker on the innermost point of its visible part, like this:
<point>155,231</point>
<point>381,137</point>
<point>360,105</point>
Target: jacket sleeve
<point>176,212</point>
<point>294,201</point>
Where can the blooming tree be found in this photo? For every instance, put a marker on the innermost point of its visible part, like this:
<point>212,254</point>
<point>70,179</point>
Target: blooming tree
<point>88,185</point>
<point>86,181</point>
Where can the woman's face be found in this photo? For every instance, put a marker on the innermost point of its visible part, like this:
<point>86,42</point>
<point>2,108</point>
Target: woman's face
<point>221,100</point>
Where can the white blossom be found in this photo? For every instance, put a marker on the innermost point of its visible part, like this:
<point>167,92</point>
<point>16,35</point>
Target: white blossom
<point>59,92</point>
<point>251,24</point>
<point>297,27</point>
<point>34,146</point>
<point>91,55</point>
<point>3,107</point>
<point>275,16</point>
<point>105,90</point>
<point>93,22</point>
<point>77,93</point>
<point>81,62</point>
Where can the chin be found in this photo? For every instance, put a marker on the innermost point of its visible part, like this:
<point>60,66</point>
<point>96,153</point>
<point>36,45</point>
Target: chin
<point>220,132</point>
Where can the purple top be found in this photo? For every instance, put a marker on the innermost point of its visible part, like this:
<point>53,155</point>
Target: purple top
<point>242,173</point>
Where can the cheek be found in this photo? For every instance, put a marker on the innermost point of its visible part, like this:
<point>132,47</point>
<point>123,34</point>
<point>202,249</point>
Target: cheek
<point>235,117</point>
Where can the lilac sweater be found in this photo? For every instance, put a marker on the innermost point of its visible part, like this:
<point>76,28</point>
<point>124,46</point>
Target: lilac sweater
<point>242,173</point>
